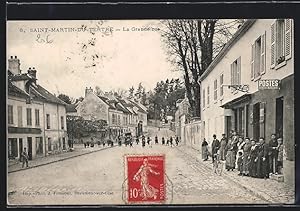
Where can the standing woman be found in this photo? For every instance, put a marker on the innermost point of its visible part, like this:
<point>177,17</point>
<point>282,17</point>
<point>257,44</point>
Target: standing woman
<point>204,150</point>
<point>231,149</point>
<point>223,144</point>
<point>246,157</point>
<point>253,158</point>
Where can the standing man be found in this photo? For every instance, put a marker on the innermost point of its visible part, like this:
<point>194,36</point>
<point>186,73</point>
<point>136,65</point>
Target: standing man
<point>222,147</point>
<point>156,140</point>
<point>171,141</point>
<point>25,157</point>
<point>262,159</point>
<point>177,140</point>
<point>273,155</point>
<point>215,145</point>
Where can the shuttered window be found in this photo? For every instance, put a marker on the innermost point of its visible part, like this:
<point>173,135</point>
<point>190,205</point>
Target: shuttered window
<point>29,116</point>
<point>221,85</point>
<point>215,89</point>
<point>258,57</point>
<point>203,97</point>
<point>10,114</point>
<point>20,116</point>
<point>281,41</point>
<point>208,96</point>
<point>236,72</point>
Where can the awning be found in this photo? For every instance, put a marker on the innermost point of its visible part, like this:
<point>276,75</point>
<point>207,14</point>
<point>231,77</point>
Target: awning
<point>237,101</point>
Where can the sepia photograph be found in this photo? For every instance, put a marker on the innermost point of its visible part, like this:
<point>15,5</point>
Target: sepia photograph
<point>150,112</point>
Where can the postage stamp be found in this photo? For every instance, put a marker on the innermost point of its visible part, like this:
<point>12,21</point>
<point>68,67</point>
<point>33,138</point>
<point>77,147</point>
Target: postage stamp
<point>145,178</point>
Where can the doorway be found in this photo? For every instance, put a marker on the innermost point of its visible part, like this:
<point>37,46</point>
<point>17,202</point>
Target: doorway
<point>256,126</point>
<point>228,126</point>
<point>20,148</point>
<point>279,117</point>
<point>29,141</point>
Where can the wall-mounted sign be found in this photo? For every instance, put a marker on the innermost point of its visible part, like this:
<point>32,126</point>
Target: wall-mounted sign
<point>269,84</point>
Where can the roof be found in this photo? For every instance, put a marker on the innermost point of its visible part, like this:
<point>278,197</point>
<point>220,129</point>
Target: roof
<point>140,109</point>
<point>47,95</point>
<point>19,77</point>
<point>15,91</point>
<point>71,108</point>
<point>239,33</point>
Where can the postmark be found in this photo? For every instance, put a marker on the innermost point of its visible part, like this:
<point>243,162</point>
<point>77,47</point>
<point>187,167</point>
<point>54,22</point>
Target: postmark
<point>146,182</point>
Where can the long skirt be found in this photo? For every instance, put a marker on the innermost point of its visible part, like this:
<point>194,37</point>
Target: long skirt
<point>222,153</point>
<point>204,153</point>
<point>253,167</point>
<point>230,160</point>
<point>246,163</point>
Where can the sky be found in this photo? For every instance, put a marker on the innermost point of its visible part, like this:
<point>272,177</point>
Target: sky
<point>110,54</point>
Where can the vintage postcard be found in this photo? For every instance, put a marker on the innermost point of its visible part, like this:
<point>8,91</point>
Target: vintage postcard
<point>150,112</point>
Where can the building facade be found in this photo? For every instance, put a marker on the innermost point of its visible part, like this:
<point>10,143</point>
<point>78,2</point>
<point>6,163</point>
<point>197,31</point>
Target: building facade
<point>249,87</point>
<point>36,119</point>
<point>121,115</point>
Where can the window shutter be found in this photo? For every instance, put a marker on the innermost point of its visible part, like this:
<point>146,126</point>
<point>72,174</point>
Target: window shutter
<point>232,75</point>
<point>288,38</point>
<point>263,54</point>
<point>252,61</point>
<point>238,80</point>
<point>273,39</point>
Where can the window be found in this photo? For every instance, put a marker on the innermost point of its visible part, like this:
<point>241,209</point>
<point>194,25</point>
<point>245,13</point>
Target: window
<point>203,97</point>
<point>208,96</point>
<point>114,118</point>
<point>236,72</point>
<point>281,42</point>
<point>215,89</point>
<point>37,117</point>
<point>29,117</point>
<point>62,123</point>
<point>20,116</point>
<point>258,57</point>
<point>221,84</point>
<point>119,120</point>
<point>10,114</point>
<point>48,120</point>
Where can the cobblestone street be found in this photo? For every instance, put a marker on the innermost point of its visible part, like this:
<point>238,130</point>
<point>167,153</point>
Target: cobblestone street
<point>102,174</point>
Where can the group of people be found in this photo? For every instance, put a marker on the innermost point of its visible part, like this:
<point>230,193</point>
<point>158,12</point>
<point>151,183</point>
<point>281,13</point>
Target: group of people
<point>254,158</point>
<point>168,142</point>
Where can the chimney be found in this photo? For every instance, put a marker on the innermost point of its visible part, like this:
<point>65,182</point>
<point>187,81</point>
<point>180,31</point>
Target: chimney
<point>88,91</point>
<point>14,65</point>
<point>32,72</point>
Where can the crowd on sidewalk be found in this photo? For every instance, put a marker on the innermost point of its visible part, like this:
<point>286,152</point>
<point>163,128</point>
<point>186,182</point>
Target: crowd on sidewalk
<point>254,158</point>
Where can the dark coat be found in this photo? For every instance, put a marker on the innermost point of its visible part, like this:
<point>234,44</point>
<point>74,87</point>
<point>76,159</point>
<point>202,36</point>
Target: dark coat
<point>215,146</point>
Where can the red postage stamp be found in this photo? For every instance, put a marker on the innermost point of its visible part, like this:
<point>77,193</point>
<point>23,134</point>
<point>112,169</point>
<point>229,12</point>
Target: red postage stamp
<point>146,178</point>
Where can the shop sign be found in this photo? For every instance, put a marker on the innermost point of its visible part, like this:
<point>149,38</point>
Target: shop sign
<point>269,84</point>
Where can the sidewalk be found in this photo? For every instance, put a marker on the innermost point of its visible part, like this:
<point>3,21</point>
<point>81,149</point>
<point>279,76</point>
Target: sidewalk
<point>78,151</point>
<point>269,190</point>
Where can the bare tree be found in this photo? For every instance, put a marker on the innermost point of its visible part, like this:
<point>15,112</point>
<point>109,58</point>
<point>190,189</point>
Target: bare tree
<point>191,46</point>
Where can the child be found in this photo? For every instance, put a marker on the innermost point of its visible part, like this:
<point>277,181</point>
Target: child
<point>240,163</point>
<point>279,148</point>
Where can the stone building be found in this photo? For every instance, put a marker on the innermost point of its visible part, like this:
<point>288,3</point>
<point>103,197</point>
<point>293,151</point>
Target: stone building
<point>36,119</point>
<point>249,87</point>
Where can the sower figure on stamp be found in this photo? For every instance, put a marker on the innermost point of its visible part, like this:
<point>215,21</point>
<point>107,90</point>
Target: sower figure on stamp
<point>24,156</point>
<point>141,175</point>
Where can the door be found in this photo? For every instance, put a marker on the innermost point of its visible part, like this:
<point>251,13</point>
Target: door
<point>256,128</point>
<point>29,141</point>
<point>279,117</point>
<point>12,148</point>
<point>20,147</point>
<point>228,126</point>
